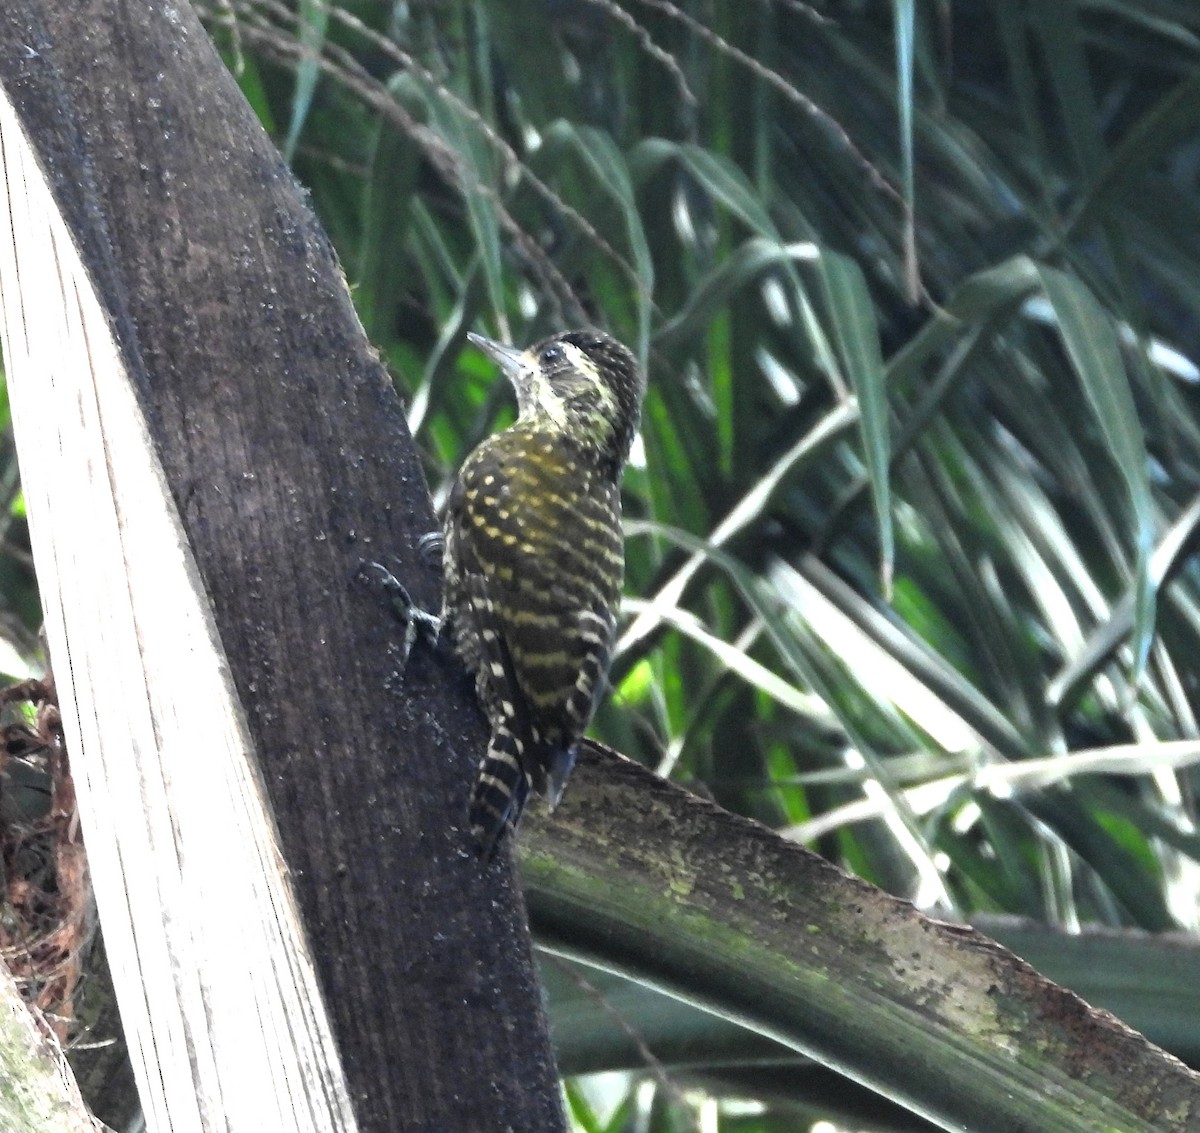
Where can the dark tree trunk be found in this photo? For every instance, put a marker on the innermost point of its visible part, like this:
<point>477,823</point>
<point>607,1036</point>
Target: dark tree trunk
<point>287,455</point>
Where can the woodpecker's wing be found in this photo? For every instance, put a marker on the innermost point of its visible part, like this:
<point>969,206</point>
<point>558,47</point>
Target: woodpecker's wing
<point>537,535</point>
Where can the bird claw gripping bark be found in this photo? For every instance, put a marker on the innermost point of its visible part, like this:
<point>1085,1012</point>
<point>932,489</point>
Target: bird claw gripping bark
<point>418,623</point>
<point>431,547</point>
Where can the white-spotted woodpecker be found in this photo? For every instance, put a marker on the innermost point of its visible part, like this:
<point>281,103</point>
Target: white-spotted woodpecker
<point>534,563</point>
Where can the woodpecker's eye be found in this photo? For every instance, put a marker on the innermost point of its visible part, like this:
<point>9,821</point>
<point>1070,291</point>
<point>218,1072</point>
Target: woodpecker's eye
<point>551,355</point>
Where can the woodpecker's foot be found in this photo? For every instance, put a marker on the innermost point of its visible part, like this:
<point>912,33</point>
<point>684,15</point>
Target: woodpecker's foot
<point>417,623</point>
<point>430,546</point>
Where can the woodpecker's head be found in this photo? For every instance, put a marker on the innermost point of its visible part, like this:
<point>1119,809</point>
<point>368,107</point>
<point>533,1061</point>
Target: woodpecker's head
<point>582,383</point>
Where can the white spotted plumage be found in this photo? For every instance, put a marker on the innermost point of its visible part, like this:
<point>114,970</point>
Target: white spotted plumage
<point>534,563</point>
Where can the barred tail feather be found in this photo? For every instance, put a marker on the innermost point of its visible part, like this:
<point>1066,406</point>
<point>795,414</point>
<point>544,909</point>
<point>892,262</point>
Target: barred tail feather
<point>559,762</point>
<point>500,792</point>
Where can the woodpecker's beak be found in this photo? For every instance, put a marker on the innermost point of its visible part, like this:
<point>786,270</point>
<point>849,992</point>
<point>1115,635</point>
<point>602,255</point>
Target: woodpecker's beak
<point>508,358</point>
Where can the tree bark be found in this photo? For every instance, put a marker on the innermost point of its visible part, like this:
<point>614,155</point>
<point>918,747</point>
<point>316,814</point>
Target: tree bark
<point>286,455</point>
<point>637,876</point>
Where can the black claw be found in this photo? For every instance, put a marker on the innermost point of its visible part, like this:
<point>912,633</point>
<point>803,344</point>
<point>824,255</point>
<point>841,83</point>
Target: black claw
<point>416,622</point>
<point>431,546</point>
<point>395,590</point>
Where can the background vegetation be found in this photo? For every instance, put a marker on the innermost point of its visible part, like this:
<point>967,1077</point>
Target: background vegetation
<point>911,523</point>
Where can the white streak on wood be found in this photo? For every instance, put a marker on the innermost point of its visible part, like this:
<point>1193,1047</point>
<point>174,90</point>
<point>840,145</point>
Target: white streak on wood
<point>216,987</point>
